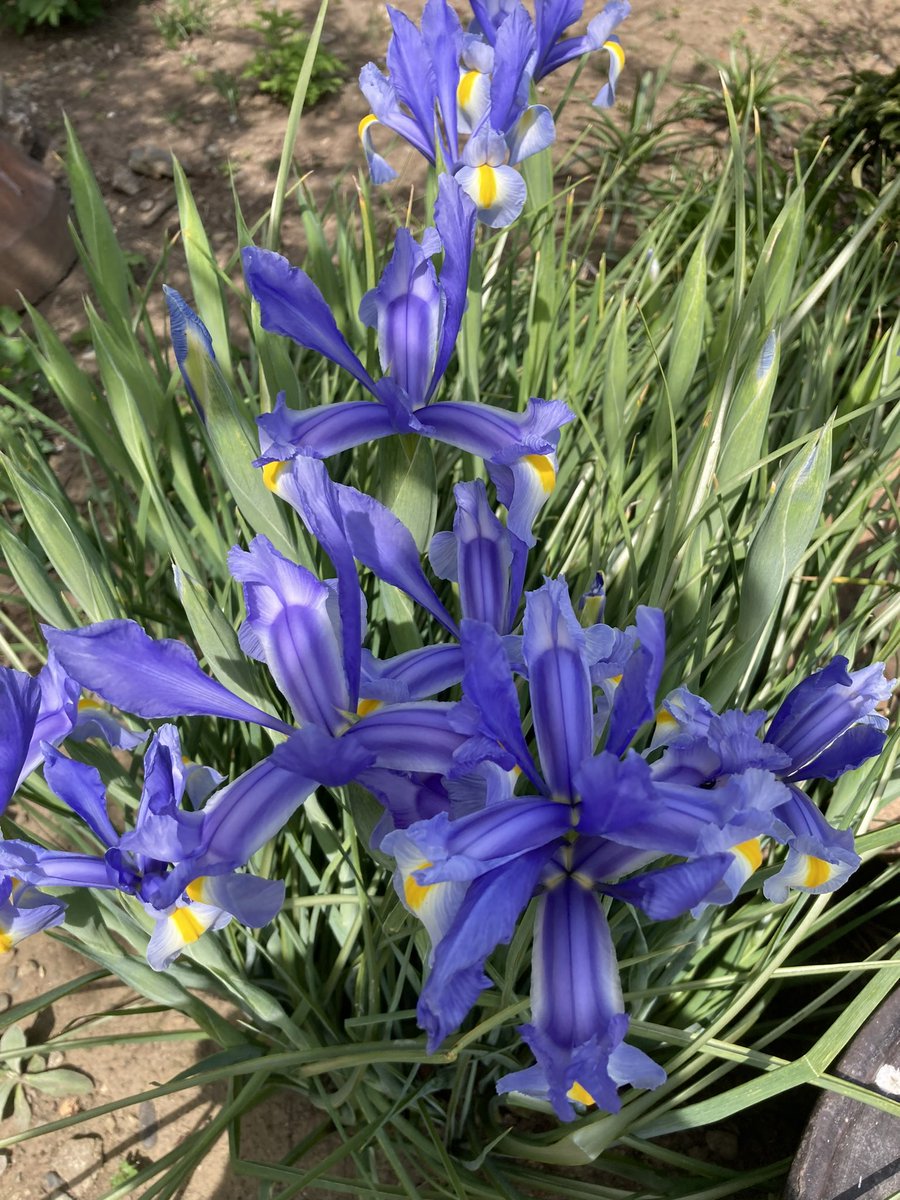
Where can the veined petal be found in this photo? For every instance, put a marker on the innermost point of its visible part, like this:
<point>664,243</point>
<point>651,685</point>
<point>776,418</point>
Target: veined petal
<point>121,663</point>
<point>454,218</point>
<point>416,675</point>
<point>819,710</point>
<point>635,698</point>
<point>553,648</point>
<point>380,169</point>
<point>285,433</point>
<point>487,553</point>
<point>533,132</point>
<point>434,904</point>
<point>488,686</point>
<point>20,700</point>
<point>409,737</point>
<point>82,789</point>
<point>412,75</point>
<point>382,543</point>
<point>487,916</point>
<point>292,305</point>
<point>498,192</point>
<point>384,102</point>
<point>552,18</point>
<point>674,890</point>
<point>191,345</point>
<point>24,911</point>
<point>442,36</point>
<point>490,15</point>
<point>514,50</point>
<point>820,858</point>
<point>247,898</point>
<point>407,309</point>
<point>288,627</point>
<point>472,845</point>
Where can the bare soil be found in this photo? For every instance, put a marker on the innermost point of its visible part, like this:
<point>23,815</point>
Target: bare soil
<point>124,90</point>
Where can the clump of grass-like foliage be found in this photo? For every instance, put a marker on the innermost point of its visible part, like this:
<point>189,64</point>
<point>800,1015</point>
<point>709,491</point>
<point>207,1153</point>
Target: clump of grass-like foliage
<point>655,342</point>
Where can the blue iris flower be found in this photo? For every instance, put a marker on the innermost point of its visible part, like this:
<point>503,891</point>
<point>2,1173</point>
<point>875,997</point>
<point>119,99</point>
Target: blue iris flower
<point>552,48</point>
<point>599,819</point>
<point>172,861</point>
<point>442,84</point>
<point>417,316</point>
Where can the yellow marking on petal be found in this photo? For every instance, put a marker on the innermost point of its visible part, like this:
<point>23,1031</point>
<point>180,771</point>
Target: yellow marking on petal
<point>664,717</point>
<point>365,124</point>
<point>367,706</point>
<point>466,88</point>
<point>486,194</point>
<point>194,890</point>
<point>546,472</point>
<point>577,1092</point>
<point>84,704</point>
<point>414,892</point>
<point>189,928</point>
<point>751,851</point>
<point>6,943</point>
<point>272,472</point>
<point>817,872</point>
<point>616,679</point>
<point>583,881</point>
<point>615,49</point>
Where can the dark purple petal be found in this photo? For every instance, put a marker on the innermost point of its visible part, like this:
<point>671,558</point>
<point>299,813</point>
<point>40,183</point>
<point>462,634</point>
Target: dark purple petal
<point>292,305</point>
<point>285,433</point>
<point>81,788</point>
<point>20,700</point>
<point>674,890</point>
<point>121,663</point>
<point>409,737</point>
<point>634,702</point>
<point>288,626</point>
<point>455,219</point>
<point>553,648</point>
<point>486,918</point>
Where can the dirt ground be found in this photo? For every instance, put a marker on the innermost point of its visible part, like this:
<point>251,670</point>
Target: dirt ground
<point>127,94</point>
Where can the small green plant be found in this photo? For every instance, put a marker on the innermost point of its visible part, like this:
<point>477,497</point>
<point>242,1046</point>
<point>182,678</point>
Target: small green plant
<point>866,111</point>
<point>20,15</point>
<point>181,20</point>
<point>228,87</point>
<point>277,63</point>
<point>21,1072</point>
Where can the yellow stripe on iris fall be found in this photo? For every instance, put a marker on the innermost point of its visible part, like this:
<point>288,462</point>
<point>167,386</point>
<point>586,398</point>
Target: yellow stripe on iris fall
<point>751,851</point>
<point>189,928</point>
<point>271,473</point>
<point>367,706</point>
<point>6,943</point>
<point>414,892</point>
<point>615,49</point>
<point>817,872</point>
<point>194,890</point>
<point>486,190</point>
<point>578,1093</point>
<point>466,87</point>
<point>365,124</point>
<point>546,472</point>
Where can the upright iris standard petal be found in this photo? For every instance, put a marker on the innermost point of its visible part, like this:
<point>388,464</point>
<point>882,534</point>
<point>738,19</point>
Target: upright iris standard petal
<point>514,48</point>
<point>412,75</point>
<point>289,628</point>
<point>635,698</point>
<point>442,37</point>
<point>81,788</point>
<point>489,688</point>
<point>292,305</point>
<point>454,219</point>
<point>20,701</point>
<point>821,712</point>
<point>363,528</point>
<point>385,105</point>
<point>486,918</point>
<point>406,309</point>
<point>121,663</point>
<point>560,685</point>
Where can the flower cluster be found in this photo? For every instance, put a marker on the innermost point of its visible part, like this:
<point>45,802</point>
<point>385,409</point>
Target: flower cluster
<point>524,753</point>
